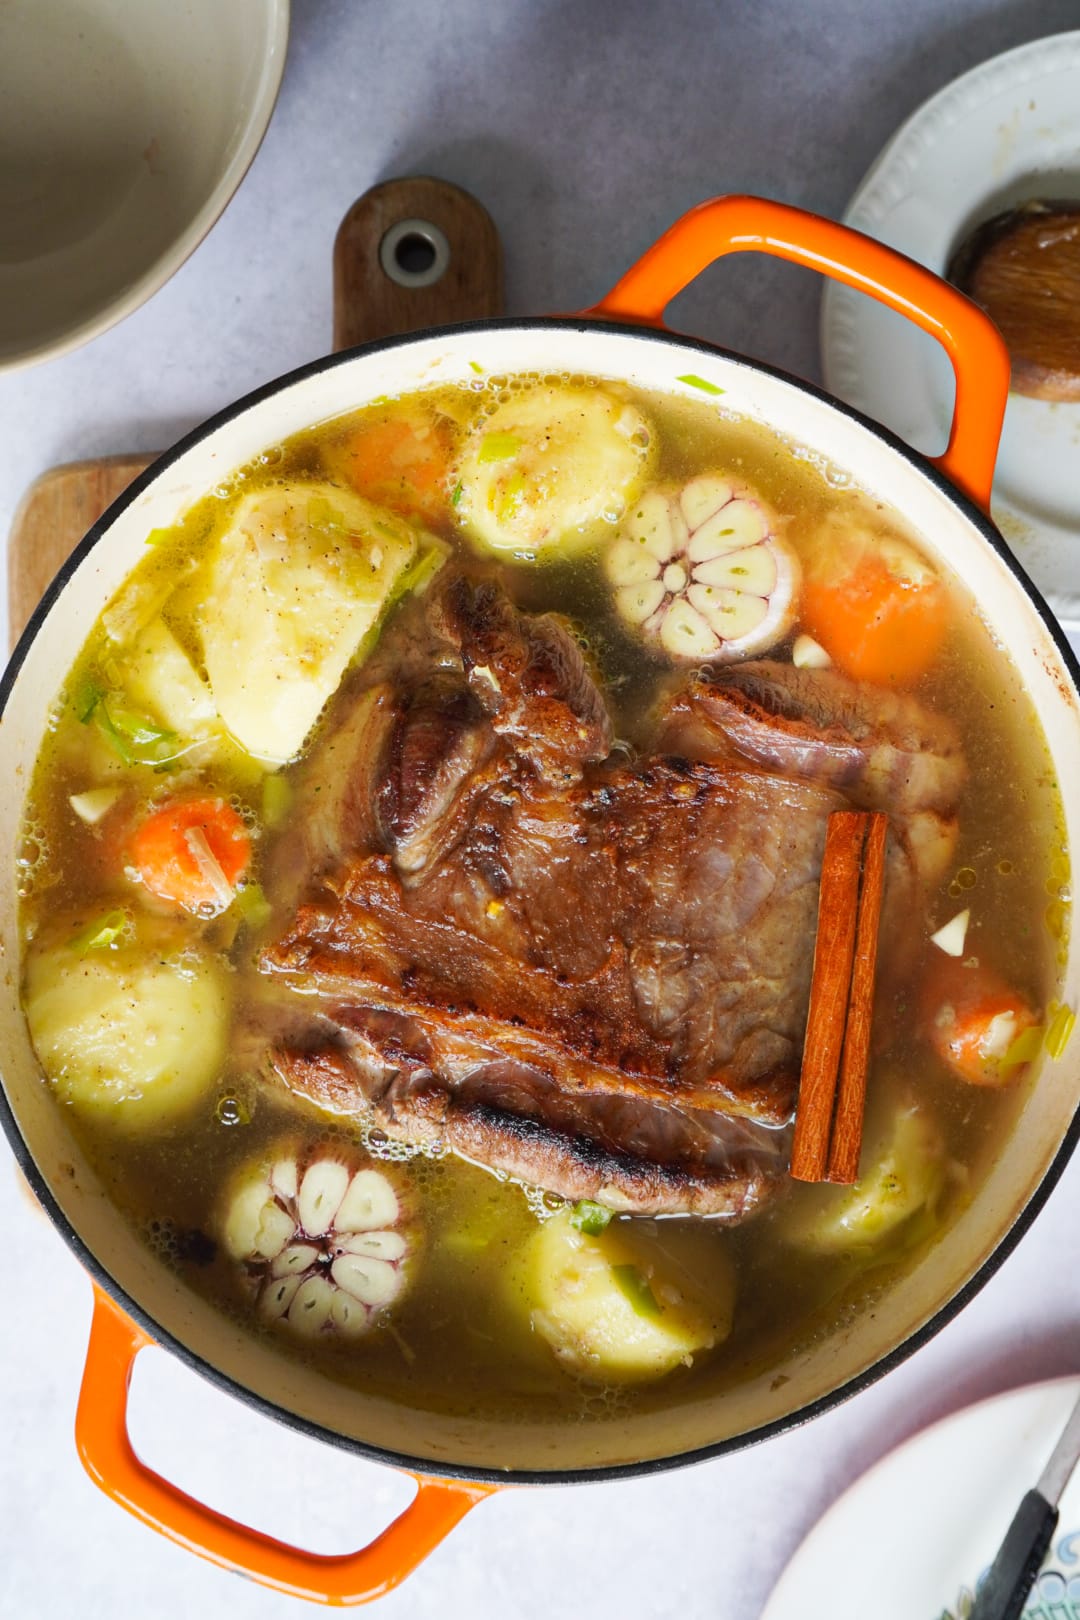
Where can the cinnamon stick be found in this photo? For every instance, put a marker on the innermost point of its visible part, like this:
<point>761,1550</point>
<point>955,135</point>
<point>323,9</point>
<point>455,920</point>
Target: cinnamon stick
<point>830,986</point>
<point>843,1165</point>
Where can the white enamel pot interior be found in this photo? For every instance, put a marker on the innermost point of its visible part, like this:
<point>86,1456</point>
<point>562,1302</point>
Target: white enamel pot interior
<point>952,531</point>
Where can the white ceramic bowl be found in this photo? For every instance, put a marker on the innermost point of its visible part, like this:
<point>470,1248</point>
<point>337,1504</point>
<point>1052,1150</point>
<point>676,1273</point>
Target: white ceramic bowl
<point>125,127</point>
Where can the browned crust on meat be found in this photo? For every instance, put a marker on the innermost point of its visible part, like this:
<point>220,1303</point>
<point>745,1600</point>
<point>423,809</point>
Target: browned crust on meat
<point>528,673</point>
<point>368,947</point>
<point>572,1166</point>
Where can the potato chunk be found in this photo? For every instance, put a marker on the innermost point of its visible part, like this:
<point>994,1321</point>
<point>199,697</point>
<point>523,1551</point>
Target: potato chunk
<point>131,1033</point>
<point>157,675</point>
<point>629,1304</point>
<point>551,470</point>
<point>302,573</point>
<point>902,1174</point>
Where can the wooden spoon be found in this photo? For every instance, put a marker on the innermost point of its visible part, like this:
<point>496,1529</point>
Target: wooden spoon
<point>1023,267</point>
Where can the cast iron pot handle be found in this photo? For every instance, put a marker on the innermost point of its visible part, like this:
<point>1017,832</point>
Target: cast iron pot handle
<point>340,1581</point>
<point>979,358</point>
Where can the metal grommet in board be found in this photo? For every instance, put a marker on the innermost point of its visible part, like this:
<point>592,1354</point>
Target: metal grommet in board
<point>416,239</point>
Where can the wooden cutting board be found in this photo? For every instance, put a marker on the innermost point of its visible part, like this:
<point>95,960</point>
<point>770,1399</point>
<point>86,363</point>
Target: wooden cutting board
<point>408,254</point>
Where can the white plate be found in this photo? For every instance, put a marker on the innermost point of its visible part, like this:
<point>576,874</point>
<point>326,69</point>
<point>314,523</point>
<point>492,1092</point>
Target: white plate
<point>1007,130</point>
<point>911,1538</point>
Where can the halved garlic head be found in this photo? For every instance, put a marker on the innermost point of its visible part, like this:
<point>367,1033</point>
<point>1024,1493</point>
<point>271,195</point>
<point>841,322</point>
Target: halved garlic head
<point>702,572</point>
<point>323,1244</point>
<point>550,469</point>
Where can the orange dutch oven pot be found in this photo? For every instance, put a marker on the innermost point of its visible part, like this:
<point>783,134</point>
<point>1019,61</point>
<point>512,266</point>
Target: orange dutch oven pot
<point>459,1461</point>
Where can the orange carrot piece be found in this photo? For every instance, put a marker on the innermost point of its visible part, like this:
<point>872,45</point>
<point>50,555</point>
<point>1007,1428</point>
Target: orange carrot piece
<point>875,623</point>
<point>402,462</point>
<point>971,1018</point>
<point>192,852</point>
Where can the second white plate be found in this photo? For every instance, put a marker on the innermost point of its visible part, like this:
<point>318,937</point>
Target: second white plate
<point>1006,131</point>
<point>913,1536</point>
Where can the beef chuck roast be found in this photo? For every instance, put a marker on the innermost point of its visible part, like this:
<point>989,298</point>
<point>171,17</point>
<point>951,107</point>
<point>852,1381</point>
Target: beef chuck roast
<point>883,750</point>
<point>590,972</point>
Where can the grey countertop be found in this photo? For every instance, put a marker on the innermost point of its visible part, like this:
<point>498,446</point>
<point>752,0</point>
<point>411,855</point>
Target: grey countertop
<point>585,128</point>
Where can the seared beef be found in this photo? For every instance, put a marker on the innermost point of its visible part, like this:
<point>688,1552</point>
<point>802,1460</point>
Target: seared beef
<point>528,674</point>
<point>629,1153</point>
<point>438,740</point>
<point>590,973</point>
<point>882,749</point>
<point>644,932</point>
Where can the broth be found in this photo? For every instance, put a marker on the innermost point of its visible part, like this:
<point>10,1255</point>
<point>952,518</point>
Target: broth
<point>469,1332</point>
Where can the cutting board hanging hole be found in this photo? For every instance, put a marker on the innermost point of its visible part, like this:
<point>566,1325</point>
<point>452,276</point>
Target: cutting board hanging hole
<point>414,253</point>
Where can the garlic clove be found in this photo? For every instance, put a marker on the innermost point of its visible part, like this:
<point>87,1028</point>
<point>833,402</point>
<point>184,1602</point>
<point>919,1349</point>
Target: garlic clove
<point>775,623</point>
<point>737,525</point>
<point>636,602</point>
<point>809,654</point>
<point>752,568</point>
<point>685,633</point>
<point>94,805</point>
<point>631,563</point>
<point>701,497</point>
<point>369,1203</point>
<point>295,1257</point>
<point>321,1192</point>
<point>377,1245</point>
<point>650,527</point>
<point>349,1316</point>
<point>283,1178</point>
<point>311,1306</point>
<point>952,936</point>
<point>277,1297</point>
<point>731,613</point>
<point>680,533</point>
<point>374,1282</point>
<point>275,1229</point>
<point>242,1228</point>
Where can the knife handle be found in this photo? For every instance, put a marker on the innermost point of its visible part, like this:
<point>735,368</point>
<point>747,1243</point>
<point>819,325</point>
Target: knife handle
<point>1012,1574</point>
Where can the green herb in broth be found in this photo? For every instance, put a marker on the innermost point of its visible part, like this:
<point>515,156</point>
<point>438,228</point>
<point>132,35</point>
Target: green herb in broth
<point>695,381</point>
<point>464,1335</point>
<point>101,933</point>
<point>636,1288</point>
<point>498,446</point>
<point>1060,1032</point>
<point>590,1217</point>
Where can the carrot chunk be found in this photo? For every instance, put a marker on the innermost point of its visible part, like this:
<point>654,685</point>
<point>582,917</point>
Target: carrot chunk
<point>878,610</point>
<point>978,1026</point>
<point>402,462</point>
<point>192,852</point>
